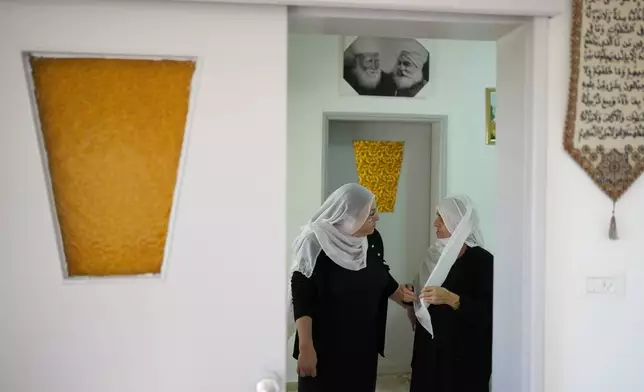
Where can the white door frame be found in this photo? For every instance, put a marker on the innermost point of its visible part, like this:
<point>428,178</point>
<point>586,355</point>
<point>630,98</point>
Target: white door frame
<point>437,125</point>
<point>536,163</point>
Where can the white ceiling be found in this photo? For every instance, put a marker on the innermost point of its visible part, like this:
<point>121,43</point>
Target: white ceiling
<point>350,22</point>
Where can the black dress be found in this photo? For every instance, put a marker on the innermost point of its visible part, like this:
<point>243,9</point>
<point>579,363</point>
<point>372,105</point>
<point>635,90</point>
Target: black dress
<point>349,313</point>
<point>459,358</point>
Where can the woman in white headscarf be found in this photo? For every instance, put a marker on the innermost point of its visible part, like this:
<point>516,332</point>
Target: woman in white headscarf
<point>340,286</point>
<point>453,331</point>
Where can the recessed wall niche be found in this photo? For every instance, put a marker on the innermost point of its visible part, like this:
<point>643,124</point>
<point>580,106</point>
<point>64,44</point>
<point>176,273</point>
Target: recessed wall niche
<point>112,131</point>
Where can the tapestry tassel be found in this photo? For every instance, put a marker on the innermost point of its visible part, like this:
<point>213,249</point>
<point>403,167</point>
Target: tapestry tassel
<point>612,231</point>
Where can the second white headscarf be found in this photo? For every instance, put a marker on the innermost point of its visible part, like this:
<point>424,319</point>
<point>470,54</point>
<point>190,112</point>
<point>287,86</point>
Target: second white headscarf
<point>462,222</point>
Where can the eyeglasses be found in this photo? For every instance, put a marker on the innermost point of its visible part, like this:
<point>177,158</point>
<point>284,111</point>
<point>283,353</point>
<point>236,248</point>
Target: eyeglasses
<point>373,214</point>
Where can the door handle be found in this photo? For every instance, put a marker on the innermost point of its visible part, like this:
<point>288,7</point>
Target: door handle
<point>268,385</point>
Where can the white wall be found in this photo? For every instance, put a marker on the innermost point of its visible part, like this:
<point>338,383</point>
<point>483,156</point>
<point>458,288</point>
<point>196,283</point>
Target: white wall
<point>459,73</point>
<point>593,343</point>
<point>196,329</point>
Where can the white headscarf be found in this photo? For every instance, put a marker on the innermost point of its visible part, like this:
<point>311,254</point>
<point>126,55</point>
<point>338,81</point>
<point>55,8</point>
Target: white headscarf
<point>331,230</point>
<point>462,222</point>
<point>453,209</point>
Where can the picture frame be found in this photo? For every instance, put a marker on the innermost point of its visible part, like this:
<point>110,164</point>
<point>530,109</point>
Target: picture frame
<point>361,55</point>
<point>490,116</point>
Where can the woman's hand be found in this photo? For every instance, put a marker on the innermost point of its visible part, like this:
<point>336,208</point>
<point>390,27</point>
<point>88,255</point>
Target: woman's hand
<point>411,315</point>
<point>307,362</point>
<point>439,296</point>
<point>407,294</point>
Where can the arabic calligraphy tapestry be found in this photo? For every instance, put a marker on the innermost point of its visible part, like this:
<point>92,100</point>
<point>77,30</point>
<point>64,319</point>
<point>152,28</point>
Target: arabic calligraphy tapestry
<point>604,130</point>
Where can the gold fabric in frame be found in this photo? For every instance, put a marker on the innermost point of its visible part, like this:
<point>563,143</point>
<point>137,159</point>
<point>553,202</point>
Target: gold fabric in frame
<point>113,131</point>
<point>379,164</point>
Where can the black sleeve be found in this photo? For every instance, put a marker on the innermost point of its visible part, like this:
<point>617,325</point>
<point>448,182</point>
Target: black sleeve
<point>392,284</point>
<point>304,295</point>
<point>477,307</point>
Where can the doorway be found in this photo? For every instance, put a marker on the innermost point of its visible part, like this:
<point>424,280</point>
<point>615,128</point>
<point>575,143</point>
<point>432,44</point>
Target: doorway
<point>407,228</point>
<point>520,168</point>
<point>422,184</point>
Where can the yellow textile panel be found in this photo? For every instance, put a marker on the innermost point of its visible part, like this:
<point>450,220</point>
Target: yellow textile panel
<point>113,131</point>
<point>379,164</point>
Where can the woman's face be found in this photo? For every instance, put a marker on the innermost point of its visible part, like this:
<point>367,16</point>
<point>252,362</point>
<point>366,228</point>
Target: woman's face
<point>370,224</point>
<point>441,229</point>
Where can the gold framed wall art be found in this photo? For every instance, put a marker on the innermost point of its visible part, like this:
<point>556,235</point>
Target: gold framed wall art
<point>490,116</point>
<point>113,131</point>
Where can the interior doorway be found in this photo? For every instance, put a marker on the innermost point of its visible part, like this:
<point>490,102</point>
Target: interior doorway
<point>407,228</point>
<point>520,220</point>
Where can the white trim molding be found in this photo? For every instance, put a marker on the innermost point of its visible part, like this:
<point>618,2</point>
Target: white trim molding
<point>437,126</point>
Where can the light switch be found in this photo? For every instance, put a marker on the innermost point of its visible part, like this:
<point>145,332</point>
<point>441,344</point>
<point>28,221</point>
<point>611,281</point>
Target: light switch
<point>604,285</point>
